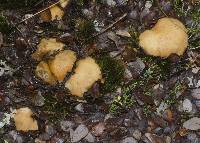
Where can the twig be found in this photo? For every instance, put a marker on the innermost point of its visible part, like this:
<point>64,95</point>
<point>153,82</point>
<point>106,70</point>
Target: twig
<point>38,13</point>
<point>110,26</point>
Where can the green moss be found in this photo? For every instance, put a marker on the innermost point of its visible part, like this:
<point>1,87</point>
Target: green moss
<point>113,73</point>
<point>4,25</point>
<point>55,108</point>
<point>85,30</point>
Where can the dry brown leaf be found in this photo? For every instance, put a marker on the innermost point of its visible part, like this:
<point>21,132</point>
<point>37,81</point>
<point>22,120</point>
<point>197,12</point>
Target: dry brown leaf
<point>47,46</point>
<point>43,72</point>
<point>62,64</point>
<point>24,121</point>
<point>168,36</point>
<point>87,72</point>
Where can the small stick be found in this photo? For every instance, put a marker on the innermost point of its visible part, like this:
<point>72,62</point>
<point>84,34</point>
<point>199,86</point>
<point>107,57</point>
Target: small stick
<point>38,13</point>
<point>110,26</point>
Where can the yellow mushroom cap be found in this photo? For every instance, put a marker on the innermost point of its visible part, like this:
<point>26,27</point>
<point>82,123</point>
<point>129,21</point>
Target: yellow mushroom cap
<point>43,72</point>
<point>64,3</point>
<point>87,72</point>
<point>168,36</point>
<point>62,64</point>
<point>56,13</point>
<point>45,46</point>
<point>24,121</point>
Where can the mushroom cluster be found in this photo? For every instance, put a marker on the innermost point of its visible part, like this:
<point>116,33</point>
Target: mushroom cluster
<point>168,36</point>
<point>87,71</point>
<point>55,12</point>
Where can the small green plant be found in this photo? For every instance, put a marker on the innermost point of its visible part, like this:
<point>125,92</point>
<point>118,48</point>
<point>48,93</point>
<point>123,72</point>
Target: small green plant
<point>147,110</point>
<point>179,7</point>
<point>172,94</point>
<point>196,13</point>
<point>157,70</point>
<point>113,73</point>
<point>182,10</point>
<point>121,103</point>
<point>194,41</point>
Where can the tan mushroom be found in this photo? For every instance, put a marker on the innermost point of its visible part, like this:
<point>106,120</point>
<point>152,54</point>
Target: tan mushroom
<point>64,3</point>
<point>62,64</point>
<point>87,72</point>
<point>47,46</point>
<point>56,13</point>
<point>168,36</point>
<point>24,120</point>
<point>43,72</point>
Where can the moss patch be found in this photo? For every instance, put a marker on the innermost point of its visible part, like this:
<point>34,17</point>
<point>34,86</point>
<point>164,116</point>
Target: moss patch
<point>5,27</point>
<point>55,108</point>
<point>84,30</point>
<point>113,73</point>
